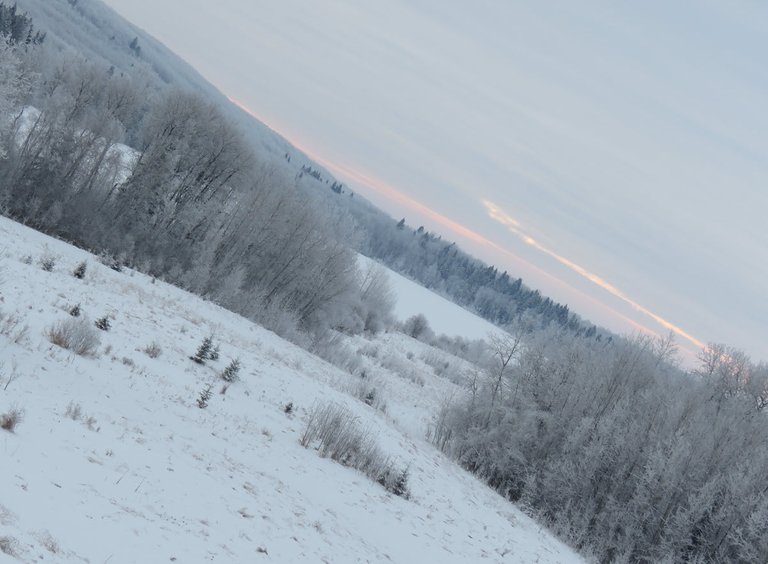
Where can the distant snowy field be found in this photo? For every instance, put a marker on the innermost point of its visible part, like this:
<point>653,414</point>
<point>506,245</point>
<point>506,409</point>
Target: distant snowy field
<point>141,474</point>
<point>445,317</point>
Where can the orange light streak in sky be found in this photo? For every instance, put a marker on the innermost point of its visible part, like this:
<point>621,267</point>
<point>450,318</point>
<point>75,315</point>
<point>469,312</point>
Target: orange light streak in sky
<point>513,226</point>
<point>390,192</point>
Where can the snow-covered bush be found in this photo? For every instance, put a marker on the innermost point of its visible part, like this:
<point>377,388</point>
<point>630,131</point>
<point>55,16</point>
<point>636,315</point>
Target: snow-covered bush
<point>333,348</point>
<point>418,327</point>
<point>402,367</point>
<point>75,334</point>
<point>153,350</point>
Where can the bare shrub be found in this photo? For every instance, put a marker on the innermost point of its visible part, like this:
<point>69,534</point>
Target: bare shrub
<point>153,350</point>
<point>74,411</point>
<point>49,543</point>
<point>12,327</point>
<point>9,546</point>
<point>14,375</point>
<point>75,334</point>
<point>370,350</point>
<point>110,261</point>
<point>9,420</point>
<point>443,365</point>
<point>48,262</point>
<point>367,390</point>
<point>402,367</point>
<point>332,348</point>
<point>338,435</point>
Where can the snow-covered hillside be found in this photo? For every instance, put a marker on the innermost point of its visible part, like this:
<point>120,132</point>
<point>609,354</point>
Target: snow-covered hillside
<point>114,462</point>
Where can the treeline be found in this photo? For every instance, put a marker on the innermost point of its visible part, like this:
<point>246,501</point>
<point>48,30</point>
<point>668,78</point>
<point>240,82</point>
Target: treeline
<point>624,456</point>
<point>437,264</point>
<point>190,202</point>
<point>16,27</point>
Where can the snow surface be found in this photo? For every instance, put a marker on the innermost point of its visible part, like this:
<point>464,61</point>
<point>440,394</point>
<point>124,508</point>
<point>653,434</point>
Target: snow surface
<point>144,475</point>
<point>445,317</point>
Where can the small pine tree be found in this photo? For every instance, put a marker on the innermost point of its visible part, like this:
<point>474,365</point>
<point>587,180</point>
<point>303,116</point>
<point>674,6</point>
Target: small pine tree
<point>205,396</point>
<point>232,371</point>
<point>203,351</point>
<point>79,271</point>
<point>75,311</point>
<point>400,485</point>
<point>103,323</point>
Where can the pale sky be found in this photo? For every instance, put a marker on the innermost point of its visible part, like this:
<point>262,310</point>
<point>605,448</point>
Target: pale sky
<point>613,154</point>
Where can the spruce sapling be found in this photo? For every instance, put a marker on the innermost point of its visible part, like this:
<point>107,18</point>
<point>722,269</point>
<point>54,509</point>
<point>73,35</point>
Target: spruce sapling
<point>79,271</point>
<point>205,395</point>
<point>232,371</point>
<point>203,351</point>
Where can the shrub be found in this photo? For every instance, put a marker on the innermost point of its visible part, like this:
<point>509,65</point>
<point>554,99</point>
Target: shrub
<point>153,350</point>
<point>339,436</point>
<point>74,411</point>
<point>110,261</point>
<point>48,262</point>
<point>288,408</point>
<point>103,323</point>
<point>368,391</point>
<point>12,327</point>
<point>9,546</point>
<point>9,420</point>
<point>79,271</point>
<point>75,311</point>
<point>418,328</point>
<point>214,354</point>
<point>332,348</point>
<point>75,334</point>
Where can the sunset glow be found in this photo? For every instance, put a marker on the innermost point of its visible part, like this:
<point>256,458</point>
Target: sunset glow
<point>513,226</point>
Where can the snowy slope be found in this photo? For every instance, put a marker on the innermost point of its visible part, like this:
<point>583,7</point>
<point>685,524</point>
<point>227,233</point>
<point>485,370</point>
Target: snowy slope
<point>143,475</point>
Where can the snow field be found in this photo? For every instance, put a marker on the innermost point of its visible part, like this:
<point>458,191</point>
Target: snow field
<point>144,475</point>
<point>445,317</point>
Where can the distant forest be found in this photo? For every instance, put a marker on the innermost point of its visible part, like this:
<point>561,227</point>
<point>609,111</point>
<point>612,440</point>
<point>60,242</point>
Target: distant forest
<point>496,296</point>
